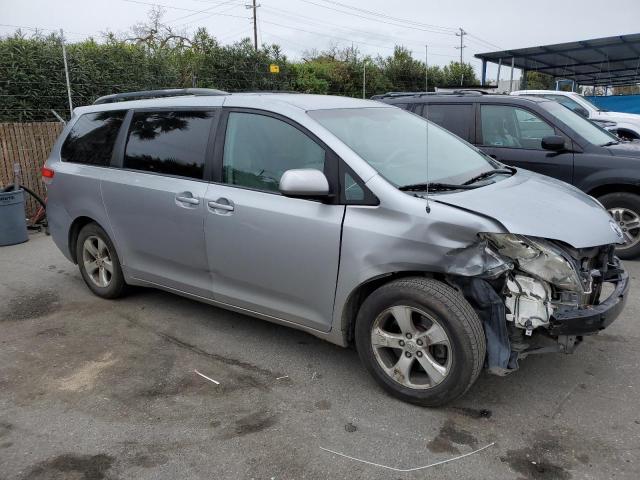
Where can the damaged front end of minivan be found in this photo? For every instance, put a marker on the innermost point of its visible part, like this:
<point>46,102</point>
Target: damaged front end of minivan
<point>535,295</point>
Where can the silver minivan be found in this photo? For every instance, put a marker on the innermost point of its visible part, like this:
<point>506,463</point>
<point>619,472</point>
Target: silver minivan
<point>349,219</point>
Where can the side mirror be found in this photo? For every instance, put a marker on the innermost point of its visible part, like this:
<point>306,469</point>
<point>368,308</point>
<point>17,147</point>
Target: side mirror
<point>582,112</point>
<point>304,183</point>
<point>553,142</point>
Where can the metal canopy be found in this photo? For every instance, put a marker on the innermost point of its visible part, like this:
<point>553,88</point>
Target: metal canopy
<point>597,62</point>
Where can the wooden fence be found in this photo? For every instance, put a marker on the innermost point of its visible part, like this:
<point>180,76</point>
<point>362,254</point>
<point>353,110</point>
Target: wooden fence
<point>27,144</point>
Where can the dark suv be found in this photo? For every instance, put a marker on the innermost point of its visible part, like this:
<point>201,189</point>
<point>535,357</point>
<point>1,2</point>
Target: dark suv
<point>542,135</point>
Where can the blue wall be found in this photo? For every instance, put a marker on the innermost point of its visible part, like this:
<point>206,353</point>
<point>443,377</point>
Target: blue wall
<point>618,103</point>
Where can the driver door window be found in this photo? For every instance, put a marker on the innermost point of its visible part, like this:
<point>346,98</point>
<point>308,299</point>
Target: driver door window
<point>258,149</point>
<point>512,127</point>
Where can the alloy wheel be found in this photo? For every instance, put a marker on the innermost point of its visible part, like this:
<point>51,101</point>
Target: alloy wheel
<point>97,261</point>
<point>629,223</point>
<point>411,347</point>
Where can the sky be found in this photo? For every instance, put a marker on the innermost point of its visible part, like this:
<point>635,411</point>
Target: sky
<point>373,26</point>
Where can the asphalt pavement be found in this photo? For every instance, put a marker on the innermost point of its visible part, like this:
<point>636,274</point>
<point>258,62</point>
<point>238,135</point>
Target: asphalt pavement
<point>97,389</point>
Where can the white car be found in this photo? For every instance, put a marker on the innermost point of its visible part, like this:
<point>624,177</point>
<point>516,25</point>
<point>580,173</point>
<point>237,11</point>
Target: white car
<point>625,125</point>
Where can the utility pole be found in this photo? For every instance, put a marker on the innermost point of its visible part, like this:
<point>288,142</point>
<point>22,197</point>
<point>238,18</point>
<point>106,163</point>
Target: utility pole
<point>461,48</point>
<point>426,69</point>
<point>254,7</point>
<point>513,59</point>
<point>364,79</point>
<point>66,72</point>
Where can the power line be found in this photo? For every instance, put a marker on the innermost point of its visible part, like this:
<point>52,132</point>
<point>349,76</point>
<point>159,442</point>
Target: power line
<point>325,34</point>
<point>307,19</point>
<point>485,42</point>
<point>431,30</point>
<point>206,10</point>
<point>412,22</point>
<point>219,14</point>
<point>389,17</point>
<point>351,40</point>
<point>195,12</point>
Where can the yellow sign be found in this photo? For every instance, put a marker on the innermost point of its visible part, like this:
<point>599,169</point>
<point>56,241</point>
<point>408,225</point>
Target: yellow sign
<point>273,68</point>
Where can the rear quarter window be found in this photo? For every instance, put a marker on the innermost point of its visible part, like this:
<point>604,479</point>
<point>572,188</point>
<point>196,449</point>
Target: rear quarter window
<point>92,137</point>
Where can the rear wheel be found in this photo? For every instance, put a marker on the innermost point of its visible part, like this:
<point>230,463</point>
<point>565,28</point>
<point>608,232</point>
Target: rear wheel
<point>421,340</point>
<point>624,207</point>
<point>99,263</point>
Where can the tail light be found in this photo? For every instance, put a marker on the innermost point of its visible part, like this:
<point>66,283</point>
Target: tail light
<point>47,172</point>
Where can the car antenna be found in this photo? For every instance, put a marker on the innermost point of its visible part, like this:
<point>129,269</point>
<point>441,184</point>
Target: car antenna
<point>426,89</point>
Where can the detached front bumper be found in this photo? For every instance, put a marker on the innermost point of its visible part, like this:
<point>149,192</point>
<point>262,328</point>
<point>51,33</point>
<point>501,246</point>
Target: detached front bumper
<point>590,320</point>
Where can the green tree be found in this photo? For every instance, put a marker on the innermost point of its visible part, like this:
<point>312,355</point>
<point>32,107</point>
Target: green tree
<point>539,81</point>
<point>153,55</point>
<point>456,74</point>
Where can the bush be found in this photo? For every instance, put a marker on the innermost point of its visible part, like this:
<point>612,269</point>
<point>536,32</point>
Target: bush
<point>33,78</point>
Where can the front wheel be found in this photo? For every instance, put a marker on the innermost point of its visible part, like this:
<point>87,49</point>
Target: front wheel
<point>421,340</point>
<point>624,207</point>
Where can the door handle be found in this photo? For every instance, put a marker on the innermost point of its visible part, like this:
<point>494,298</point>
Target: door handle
<point>189,200</point>
<point>220,206</point>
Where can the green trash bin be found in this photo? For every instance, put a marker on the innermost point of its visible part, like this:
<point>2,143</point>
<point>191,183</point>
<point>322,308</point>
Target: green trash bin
<point>13,226</point>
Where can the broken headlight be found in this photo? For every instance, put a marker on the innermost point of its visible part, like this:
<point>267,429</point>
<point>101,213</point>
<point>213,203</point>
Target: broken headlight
<point>539,258</point>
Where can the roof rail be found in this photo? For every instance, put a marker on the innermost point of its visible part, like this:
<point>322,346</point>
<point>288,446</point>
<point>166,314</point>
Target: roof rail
<point>470,91</point>
<point>400,94</point>
<point>167,92</point>
<point>267,91</point>
<point>424,94</point>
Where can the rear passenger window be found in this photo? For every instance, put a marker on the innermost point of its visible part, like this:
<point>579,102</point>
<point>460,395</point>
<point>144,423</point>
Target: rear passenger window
<point>171,143</point>
<point>92,137</point>
<point>457,118</point>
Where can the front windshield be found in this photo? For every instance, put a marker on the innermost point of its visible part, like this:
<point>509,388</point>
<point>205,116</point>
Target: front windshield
<point>394,142</point>
<point>583,127</point>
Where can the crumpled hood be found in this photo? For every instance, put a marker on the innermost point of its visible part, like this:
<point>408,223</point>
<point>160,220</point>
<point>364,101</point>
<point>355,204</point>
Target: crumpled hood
<point>535,205</point>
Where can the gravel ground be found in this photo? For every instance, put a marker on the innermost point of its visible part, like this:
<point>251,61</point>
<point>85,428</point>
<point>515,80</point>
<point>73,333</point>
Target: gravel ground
<point>95,389</point>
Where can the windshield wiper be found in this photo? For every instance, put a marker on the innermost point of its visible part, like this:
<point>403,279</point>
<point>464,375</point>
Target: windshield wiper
<point>434,187</point>
<point>608,144</point>
<point>488,174</point>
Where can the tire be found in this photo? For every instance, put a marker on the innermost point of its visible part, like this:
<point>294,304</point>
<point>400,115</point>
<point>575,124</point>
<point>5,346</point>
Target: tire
<point>623,207</point>
<point>100,281</point>
<point>434,307</point>
<point>626,135</point>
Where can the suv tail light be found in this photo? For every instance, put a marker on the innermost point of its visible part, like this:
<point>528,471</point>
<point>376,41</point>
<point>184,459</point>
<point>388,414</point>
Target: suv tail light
<point>47,172</point>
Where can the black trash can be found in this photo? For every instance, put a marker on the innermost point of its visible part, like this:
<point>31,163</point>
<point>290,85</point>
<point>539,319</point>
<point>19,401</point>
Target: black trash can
<point>13,226</point>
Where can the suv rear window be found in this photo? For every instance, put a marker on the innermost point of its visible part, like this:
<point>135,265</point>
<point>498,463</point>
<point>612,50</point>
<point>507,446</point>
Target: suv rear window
<point>92,137</point>
<point>169,142</point>
<point>456,118</point>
